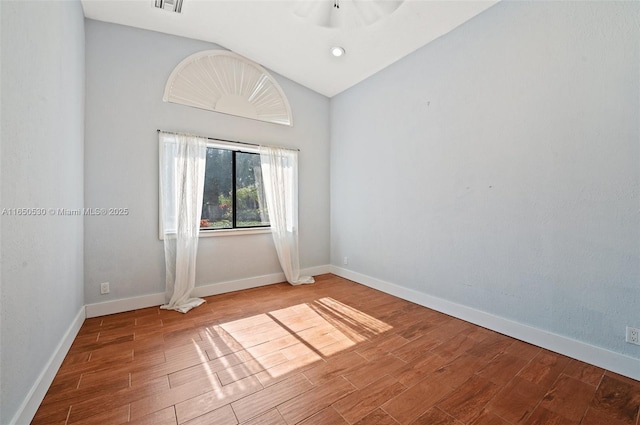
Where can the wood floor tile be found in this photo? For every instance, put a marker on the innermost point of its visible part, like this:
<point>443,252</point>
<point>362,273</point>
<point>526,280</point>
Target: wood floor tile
<point>435,416</point>
<point>215,399</point>
<point>488,418</point>
<point>294,365</point>
<point>120,354</point>
<point>250,367</point>
<point>298,350</point>
<point>111,416</point>
<point>502,368</point>
<point>219,345</point>
<point>568,397</point>
<point>195,351</point>
<point>90,386</point>
<point>221,416</point>
<point>51,415</point>
<point>246,323</point>
<point>517,400</point>
<point>417,369</point>
<point>181,337</point>
<point>377,417</point>
<point>150,334</point>
<point>105,363</point>
<point>470,398</point>
<point>335,352</point>
<point>117,399</point>
<point>147,356</point>
<point>144,374</point>
<point>448,328</point>
<point>542,416</point>
<point>618,399</point>
<point>118,320</point>
<point>600,417</point>
<point>632,382</point>
<point>264,332</point>
<point>162,417</point>
<point>545,368</point>
<point>313,401</point>
<point>415,348</point>
<point>368,372</point>
<point>148,320</point>
<point>361,402</point>
<point>491,346</point>
<point>172,396</point>
<point>455,346</point>
<point>180,329</point>
<point>333,367</point>
<point>522,350</point>
<point>382,346</point>
<point>298,318</point>
<point>104,378</point>
<point>272,417</point>
<point>417,329</point>
<point>327,416</point>
<point>188,374</point>
<point>273,345</point>
<point>73,358</point>
<point>317,338</point>
<point>476,333</point>
<point>585,372</point>
<point>341,345</point>
<point>269,397</point>
<point>62,384</point>
<point>460,369</point>
<point>416,400</point>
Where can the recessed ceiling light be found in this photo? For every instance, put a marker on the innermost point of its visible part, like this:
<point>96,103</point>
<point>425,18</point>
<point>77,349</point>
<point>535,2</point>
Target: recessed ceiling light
<point>337,51</point>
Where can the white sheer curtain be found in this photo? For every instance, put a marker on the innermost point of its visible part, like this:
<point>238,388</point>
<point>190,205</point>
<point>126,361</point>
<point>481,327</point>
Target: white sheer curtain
<point>182,167</point>
<point>280,178</point>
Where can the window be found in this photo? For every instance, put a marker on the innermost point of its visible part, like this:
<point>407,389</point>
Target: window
<point>233,191</point>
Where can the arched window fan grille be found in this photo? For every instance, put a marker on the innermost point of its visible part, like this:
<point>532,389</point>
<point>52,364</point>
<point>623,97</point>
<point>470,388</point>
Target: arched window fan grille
<point>223,81</point>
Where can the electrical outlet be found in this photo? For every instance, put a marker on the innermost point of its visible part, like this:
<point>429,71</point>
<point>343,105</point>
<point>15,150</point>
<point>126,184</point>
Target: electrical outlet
<point>104,288</point>
<point>633,335</point>
<point>345,260</point>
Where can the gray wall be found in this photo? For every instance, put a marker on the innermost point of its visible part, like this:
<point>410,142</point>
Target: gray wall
<point>498,168</point>
<point>41,167</point>
<point>127,70</point>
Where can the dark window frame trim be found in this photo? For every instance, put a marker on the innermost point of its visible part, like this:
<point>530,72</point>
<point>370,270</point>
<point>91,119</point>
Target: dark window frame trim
<point>231,146</point>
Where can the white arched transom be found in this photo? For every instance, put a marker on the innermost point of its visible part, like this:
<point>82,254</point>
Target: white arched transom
<point>223,81</point>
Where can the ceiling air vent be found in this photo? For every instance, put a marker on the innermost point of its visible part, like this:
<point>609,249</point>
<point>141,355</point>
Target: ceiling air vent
<point>171,5</point>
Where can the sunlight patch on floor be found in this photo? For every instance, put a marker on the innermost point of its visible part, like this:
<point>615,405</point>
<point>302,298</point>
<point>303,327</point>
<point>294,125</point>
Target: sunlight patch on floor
<point>303,333</point>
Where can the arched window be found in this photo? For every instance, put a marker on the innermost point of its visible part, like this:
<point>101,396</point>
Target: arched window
<point>222,81</point>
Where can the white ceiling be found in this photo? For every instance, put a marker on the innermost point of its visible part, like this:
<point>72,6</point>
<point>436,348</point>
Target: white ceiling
<point>270,33</point>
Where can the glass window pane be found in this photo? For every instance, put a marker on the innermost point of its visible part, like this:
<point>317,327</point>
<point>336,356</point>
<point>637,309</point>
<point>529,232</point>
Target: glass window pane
<point>251,208</point>
<point>217,203</point>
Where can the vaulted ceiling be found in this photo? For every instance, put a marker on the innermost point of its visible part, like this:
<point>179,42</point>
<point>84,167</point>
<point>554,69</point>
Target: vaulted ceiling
<point>294,37</point>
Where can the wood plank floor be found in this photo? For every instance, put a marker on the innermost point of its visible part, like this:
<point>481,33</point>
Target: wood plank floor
<point>330,353</point>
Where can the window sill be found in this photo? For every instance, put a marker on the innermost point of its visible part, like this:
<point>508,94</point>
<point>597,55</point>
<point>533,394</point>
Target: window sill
<point>225,232</point>
<point>233,232</point>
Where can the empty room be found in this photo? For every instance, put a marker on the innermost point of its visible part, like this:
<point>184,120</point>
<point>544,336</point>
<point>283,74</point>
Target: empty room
<point>320,212</point>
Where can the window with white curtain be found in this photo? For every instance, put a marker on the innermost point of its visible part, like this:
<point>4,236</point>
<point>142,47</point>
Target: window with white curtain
<point>233,196</point>
<point>221,187</point>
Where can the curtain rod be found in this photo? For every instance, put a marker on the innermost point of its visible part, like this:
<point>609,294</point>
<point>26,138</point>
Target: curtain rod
<point>225,140</point>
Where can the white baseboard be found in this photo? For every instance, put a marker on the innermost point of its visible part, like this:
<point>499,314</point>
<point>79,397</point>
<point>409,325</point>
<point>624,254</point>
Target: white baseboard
<point>134,303</point>
<point>615,362</point>
<point>36,394</point>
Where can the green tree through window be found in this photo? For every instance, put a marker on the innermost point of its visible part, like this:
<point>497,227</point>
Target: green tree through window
<point>233,191</point>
